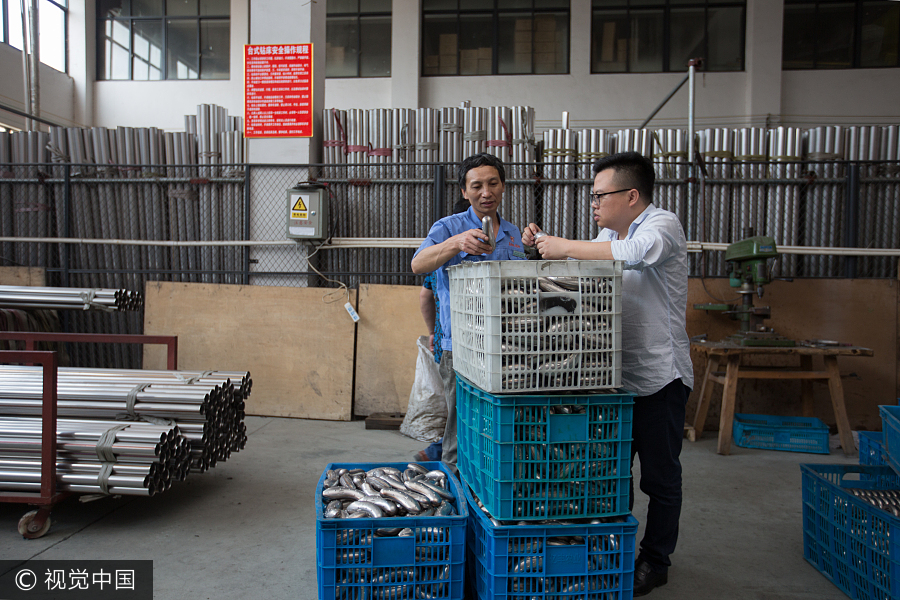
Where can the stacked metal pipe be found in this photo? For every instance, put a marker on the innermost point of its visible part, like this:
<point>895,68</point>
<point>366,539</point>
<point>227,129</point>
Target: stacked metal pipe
<point>561,201</point>
<point>116,192</point>
<point>783,211</point>
<point>57,298</point>
<point>754,155</point>
<point>208,407</point>
<point>96,457</point>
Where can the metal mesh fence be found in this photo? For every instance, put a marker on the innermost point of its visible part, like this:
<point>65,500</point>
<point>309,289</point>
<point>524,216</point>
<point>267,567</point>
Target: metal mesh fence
<point>230,226</point>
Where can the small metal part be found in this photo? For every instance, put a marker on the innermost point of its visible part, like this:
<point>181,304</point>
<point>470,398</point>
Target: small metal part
<point>487,226</point>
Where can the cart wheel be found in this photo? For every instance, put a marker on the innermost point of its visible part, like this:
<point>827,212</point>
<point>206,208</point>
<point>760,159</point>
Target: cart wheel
<point>32,525</point>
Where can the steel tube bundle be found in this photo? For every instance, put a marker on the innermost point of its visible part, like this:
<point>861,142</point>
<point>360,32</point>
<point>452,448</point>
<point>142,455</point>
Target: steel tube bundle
<point>207,406</point>
<point>12,296</point>
<point>522,152</point>
<point>785,147</point>
<point>825,144</point>
<point>106,457</point>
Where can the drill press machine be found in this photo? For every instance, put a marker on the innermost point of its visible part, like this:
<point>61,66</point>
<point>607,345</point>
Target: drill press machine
<point>748,262</point>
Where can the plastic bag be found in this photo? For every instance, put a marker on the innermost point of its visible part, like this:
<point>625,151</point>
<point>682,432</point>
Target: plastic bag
<point>426,413</point>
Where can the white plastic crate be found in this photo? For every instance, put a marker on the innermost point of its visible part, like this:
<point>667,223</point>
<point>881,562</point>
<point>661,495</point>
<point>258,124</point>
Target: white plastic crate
<point>537,325</point>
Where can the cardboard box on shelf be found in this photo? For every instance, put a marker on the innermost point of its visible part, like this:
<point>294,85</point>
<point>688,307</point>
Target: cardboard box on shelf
<point>523,24</point>
<point>609,41</point>
<point>541,37</point>
<point>485,54</point>
<point>448,43</point>
<point>522,47</point>
<point>484,67</point>
<point>468,62</point>
<point>545,47</point>
<point>523,36</point>
<point>544,23</point>
<point>431,65</point>
<point>335,55</point>
<point>448,64</point>
<point>522,62</point>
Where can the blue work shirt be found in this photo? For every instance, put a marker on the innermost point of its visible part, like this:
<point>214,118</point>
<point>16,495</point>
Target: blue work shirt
<point>509,247</point>
<point>655,345</point>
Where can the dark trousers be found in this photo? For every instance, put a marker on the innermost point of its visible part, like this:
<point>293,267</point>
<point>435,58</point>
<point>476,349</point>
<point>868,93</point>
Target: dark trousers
<point>658,430</point>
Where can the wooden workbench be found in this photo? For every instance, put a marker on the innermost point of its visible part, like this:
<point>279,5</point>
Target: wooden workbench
<point>731,354</point>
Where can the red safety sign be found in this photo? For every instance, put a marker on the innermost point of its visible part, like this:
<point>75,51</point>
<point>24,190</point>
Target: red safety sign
<point>278,90</point>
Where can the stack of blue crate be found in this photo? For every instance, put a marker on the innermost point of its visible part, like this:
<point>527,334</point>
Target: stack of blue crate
<point>851,515</point>
<point>545,464</point>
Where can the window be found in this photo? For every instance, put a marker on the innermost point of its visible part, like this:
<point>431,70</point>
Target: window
<point>52,30</point>
<point>840,34</point>
<point>358,38</point>
<point>145,40</point>
<point>495,37</point>
<point>647,36</point>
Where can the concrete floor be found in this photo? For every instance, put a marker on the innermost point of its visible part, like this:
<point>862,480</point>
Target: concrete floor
<point>246,529</point>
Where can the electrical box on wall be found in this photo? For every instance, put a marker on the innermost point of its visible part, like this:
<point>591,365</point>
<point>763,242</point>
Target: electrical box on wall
<point>307,212</point>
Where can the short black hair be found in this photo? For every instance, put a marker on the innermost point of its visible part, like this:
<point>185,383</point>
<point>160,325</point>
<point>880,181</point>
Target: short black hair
<point>632,170</point>
<point>461,206</point>
<point>480,160</point>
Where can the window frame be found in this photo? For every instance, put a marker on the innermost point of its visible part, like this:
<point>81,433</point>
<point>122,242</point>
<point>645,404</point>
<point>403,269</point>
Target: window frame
<point>856,45</point>
<point>496,15</point>
<point>63,5</point>
<point>163,20</point>
<point>665,7</point>
<point>358,16</point>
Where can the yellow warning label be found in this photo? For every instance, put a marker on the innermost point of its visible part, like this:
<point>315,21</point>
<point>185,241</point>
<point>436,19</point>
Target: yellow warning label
<point>298,205</point>
<point>299,215</point>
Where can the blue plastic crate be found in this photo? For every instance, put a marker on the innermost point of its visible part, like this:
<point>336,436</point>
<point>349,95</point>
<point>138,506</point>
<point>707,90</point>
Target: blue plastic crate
<point>527,458</point>
<point>536,562</point>
<point>890,427</point>
<point>355,563</point>
<point>871,448</point>
<point>850,541</point>
<point>793,434</point>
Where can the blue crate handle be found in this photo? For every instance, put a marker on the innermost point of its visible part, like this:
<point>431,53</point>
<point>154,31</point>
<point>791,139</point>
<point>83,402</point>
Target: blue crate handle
<point>566,560</point>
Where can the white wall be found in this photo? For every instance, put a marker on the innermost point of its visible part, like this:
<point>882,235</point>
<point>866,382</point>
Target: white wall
<point>760,95</point>
<point>164,104</point>
<point>56,93</point>
<point>845,97</point>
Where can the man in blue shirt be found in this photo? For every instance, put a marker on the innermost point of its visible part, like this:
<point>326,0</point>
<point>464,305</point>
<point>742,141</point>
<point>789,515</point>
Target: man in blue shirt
<point>459,238</point>
<point>656,361</point>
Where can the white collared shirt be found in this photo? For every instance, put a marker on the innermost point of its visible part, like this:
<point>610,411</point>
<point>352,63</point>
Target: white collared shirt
<point>655,345</point>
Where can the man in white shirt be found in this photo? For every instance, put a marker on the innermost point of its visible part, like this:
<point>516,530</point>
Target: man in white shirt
<point>656,362</point>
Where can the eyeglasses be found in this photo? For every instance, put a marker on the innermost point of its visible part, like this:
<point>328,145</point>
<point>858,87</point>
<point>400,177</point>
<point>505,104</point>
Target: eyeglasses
<point>595,198</point>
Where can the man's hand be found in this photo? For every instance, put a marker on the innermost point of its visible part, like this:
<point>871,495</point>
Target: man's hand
<point>553,248</point>
<point>473,241</point>
<point>431,343</point>
<point>528,234</point>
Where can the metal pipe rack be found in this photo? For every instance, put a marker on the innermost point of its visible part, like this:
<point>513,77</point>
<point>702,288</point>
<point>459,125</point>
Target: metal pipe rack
<point>35,523</point>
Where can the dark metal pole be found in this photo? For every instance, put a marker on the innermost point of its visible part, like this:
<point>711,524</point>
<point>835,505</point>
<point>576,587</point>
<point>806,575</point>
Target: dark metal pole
<point>66,208</point>
<point>246,249</point>
<point>663,103</point>
<point>438,207</point>
<point>851,219</point>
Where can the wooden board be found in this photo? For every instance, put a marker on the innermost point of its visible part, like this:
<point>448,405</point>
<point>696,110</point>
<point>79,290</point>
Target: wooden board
<point>384,420</point>
<point>299,350</point>
<point>22,276</point>
<point>390,323</point>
